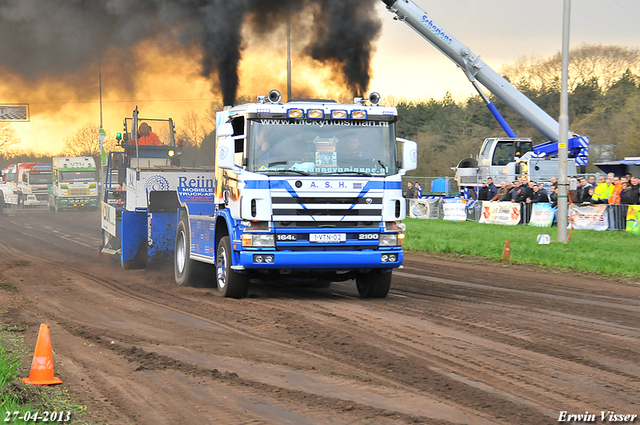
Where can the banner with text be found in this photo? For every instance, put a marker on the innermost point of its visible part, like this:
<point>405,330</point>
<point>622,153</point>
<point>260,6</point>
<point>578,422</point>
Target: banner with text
<point>500,213</point>
<point>454,209</point>
<point>592,217</point>
<point>542,215</point>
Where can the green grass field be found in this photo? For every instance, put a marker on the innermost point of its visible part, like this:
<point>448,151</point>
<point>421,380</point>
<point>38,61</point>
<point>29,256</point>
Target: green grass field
<point>606,253</point>
<point>18,400</point>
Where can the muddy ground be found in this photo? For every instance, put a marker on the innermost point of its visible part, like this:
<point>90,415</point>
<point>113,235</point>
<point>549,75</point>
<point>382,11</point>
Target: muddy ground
<point>455,342</point>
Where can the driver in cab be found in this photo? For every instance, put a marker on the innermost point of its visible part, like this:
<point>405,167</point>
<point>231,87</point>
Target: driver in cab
<point>146,137</point>
<point>355,152</point>
<point>264,150</point>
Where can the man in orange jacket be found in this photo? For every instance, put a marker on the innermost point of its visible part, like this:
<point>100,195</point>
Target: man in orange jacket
<point>614,197</point>
<point>147,137</point>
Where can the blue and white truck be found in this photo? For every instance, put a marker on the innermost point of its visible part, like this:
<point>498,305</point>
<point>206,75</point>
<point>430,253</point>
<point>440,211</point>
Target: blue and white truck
<point>303,192</point>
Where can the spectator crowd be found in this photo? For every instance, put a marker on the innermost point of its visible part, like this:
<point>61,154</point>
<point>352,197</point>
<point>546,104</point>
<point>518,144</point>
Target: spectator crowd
<point>607,190</point>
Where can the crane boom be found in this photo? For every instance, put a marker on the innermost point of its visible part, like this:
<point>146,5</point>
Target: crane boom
<point>474,68</point>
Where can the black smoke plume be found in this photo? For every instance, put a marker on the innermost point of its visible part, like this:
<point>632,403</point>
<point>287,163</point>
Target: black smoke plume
<point>44,39</point>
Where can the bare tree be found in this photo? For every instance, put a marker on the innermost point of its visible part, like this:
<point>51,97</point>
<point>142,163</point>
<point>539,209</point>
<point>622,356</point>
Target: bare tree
<point>210,114</point>
<point>8,137</point>
<point>193,129</point>
<point>606,64</point>
<point>86,143</point>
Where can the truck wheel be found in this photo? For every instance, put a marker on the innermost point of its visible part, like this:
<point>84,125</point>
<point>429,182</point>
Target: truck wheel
<point>231,284</point>
<point>375,284</point>
<point>187,272</point>
<point>20,202</point>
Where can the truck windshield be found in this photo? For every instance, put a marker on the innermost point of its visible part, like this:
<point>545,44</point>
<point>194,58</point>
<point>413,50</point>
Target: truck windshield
<point>150,131</point>
<point>11,177</point>
<point>40,179</point>
<point>77,176</point>
<point>322,147</point>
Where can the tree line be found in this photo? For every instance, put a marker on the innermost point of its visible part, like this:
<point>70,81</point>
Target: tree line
<point>604,105</point>
<point>604,102</point>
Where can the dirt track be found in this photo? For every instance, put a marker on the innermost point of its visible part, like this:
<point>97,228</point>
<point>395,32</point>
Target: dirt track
<point>454,343</point>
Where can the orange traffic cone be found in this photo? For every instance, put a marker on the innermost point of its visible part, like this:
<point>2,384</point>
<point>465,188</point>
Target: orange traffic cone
<point>506,254</point>
<point>42,366</point>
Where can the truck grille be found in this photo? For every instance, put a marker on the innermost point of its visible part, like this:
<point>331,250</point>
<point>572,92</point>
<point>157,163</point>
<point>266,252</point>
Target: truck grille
<point>79,192</point>
<point>42,196</point>
<point>340,209</point>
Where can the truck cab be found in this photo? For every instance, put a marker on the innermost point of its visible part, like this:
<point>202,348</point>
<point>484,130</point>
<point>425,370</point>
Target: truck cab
<point>33,184</point>
<point>74,184</point>
<point>305,191</point>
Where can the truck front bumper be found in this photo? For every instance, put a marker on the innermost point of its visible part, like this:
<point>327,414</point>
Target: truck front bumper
<point>320,260</point>
<point>77,202</point>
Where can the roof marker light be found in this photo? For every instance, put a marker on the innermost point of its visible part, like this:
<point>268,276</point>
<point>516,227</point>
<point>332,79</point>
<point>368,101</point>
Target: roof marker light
<point>295,113</point>
<point>315,114</point>
<point>339,114</point>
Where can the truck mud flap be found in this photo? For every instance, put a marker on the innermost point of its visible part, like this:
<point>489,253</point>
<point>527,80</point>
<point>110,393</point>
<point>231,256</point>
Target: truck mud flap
<point>161,224</point>
<point>161,241</point>
<point>134,239</point>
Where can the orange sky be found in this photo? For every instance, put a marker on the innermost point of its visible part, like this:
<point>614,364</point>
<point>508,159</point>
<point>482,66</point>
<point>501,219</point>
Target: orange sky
<point>404,66</point>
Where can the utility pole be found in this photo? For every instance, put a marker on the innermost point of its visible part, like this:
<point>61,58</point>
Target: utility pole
<point>288,54</point>
<point>101,133</point>
<point>564,129</point>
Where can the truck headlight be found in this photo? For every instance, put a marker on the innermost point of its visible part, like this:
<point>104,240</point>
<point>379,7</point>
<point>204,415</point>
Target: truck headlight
<point>391,239</point>
<point>258,240</point>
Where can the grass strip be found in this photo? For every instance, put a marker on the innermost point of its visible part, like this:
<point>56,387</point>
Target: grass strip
<point>608,253</point>
<point>16,396</point>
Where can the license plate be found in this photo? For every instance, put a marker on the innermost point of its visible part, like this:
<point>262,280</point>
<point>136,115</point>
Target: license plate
<point>327,237</point>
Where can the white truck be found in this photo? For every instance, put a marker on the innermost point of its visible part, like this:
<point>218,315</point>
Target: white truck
<point>33,184</point>
<point>500,158</point>
<point>9,185</point>
<point>74,184</point>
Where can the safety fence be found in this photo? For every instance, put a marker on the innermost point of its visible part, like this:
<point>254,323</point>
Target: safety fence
<point>595,217</point>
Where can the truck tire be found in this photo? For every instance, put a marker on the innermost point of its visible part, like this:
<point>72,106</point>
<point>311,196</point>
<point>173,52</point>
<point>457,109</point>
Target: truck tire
<point>231,284</point>
<point>375,284</point>
<point>20,202</point>
<point>188,272</point>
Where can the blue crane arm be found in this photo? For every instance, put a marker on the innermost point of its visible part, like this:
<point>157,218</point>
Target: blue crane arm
<point>474,68</point>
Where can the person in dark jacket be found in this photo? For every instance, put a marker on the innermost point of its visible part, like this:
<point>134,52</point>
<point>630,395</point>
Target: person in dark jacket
<point>626,194</point>
<point>552,196</point>
<point>483,193</point>
<point>410,190</point>
<point>634,187</point>
<point>493,190</point>
<point>581,192</point>
<point>537,195</point>
<point>417,190</point>
<point>519,194</point>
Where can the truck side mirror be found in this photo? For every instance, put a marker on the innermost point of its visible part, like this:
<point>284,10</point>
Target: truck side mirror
<point>224,130</point>
<point>409,155</point>
<point>225,153</point>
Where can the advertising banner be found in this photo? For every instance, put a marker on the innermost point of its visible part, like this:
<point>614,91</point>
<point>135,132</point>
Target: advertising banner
<point>633,218</point>
<point>424,208</point>
<point>454,209</point>
<point>592,217</point>
<point>507,213</point>
<point>542,215</point>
